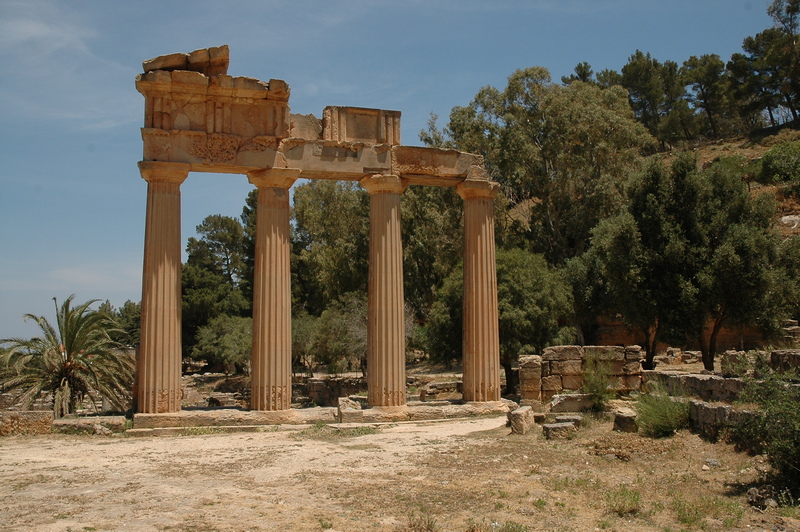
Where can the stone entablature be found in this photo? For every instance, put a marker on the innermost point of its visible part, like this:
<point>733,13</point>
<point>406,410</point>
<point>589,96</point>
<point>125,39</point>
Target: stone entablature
<point>196,114</point>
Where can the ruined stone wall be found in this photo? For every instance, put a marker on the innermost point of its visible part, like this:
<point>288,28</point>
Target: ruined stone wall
<point>26,422</point>
<point>561,368</point>
<point>326,392</point>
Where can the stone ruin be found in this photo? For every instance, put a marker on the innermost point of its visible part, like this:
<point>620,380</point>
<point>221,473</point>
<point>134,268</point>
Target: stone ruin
<point>560,370</point>
<point>198,118</point>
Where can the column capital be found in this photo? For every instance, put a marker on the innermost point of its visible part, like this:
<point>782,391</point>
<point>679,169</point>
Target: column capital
<point>477,188</point>
<point>380,183</point>
<point>274,177</point>
<point>169,172</point>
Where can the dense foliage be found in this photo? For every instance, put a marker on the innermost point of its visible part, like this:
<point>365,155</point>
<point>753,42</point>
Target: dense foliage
<point>774,427</point>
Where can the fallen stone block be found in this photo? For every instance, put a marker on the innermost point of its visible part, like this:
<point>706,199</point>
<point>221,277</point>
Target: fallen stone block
<point>575,420</point>
<point>625,420</point>
<point>559,431</point>
<point>521,420</point>
<point>349,411</point>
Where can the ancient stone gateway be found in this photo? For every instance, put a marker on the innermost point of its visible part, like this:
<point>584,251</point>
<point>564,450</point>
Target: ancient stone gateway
<point>199,119</point>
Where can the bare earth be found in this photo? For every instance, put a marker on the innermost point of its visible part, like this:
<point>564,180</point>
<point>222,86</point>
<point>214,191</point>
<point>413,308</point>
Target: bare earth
<point>455,475</point>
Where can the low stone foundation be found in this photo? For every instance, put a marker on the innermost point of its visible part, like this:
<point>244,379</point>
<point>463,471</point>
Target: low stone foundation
<point>705,387</point>
<point>560,369</point>
<point>26,422</point>
<point>348,413</point>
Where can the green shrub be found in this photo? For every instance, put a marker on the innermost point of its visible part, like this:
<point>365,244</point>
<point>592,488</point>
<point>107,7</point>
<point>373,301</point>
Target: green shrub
<point>624,501</point>
<point>774,427</point>
<point>597,380</point>
<point>781,163</point>
<point>658,414</point>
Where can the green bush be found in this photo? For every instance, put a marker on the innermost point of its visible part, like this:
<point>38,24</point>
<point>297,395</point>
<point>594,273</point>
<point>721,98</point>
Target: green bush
<point>624,501</point>
<point>658,414</point>
<point>597,380</point>
<point>781,163</point>
<point>774,427</point>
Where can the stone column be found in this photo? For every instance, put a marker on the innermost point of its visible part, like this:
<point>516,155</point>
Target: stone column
<point>481,338</point>
<point>158,365</point>
<point>386,361</point>
<point>271,362</point>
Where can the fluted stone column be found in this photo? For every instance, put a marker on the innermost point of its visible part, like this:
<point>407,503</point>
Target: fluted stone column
<point>386,362</point>
<point>271,362</point>
<point>158,378</point>
<point>481,340</point>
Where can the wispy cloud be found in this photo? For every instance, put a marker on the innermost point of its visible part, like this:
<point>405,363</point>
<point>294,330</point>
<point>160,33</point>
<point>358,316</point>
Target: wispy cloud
<point>51,71</point>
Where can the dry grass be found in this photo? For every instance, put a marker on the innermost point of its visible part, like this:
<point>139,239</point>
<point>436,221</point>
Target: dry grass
<point>463,475</point>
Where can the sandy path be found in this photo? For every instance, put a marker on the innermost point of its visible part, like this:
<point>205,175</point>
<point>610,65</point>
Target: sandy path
<point>244,481</point>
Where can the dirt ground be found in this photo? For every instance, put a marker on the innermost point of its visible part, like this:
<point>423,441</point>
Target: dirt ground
<point>455,475</point>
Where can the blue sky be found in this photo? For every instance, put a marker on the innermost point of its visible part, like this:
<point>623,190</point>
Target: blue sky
<point>72,202</point>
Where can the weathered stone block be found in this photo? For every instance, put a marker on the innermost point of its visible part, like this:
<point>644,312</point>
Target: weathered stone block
<point>530,377</point>
<point>571,382</point>
<point>605,352</point>
<point>566,367</point>
<point>349,411</point>
<point>25,422</point>
<point>571,402</point>
<point>563,352</point>
<point>560,431</point>
<point>634,352</point>
<point>521,420</point>
<point>552,383</point>
<point>574,419</point>
<point>530,362</point>
<point>632,368</point>
<point>530,389</point>
<point>785,359</point>
<point>625,420</point>
<point>631,382</point>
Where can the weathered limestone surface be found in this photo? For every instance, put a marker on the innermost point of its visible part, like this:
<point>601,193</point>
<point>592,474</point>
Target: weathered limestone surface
<point>571,402</point>
<point>350,411</point>
<point>158,368</point>
<point>625,420</point>
<point>530,378</point>
<point>386,359</point>
<point>521,420</point>
<point>271,362</point>
<point>235,417</point>
<point>93,425</point>
<point>25,422</point>
<point>706,387</point>
<point>559,431</point>
<point>560,369</point>
<point>481,338</point>
<point>709,419</point>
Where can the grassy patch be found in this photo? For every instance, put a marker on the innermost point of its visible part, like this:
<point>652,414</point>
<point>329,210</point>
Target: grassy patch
<point>624,501</point>
<point>323,431</point>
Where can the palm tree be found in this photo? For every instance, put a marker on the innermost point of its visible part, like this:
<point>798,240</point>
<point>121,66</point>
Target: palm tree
<point>75,359</point>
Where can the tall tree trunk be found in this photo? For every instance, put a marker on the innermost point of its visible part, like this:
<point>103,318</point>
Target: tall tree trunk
<point>708,358</point>
<point>650,342</point>
<point>511,377</point>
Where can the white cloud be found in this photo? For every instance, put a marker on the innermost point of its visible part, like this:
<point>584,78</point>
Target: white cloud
<point>52,72</point>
